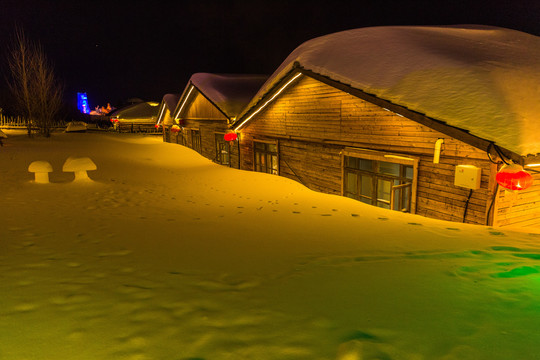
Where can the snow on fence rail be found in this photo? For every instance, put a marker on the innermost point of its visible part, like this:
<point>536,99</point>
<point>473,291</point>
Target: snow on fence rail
<point>19,122</point>
<point>12,122</point>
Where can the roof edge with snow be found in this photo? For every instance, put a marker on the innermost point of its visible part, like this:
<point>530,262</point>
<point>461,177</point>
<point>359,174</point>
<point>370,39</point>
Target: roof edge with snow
<point>435,124</point>
<point>228,93</point>
<point>480,80</point>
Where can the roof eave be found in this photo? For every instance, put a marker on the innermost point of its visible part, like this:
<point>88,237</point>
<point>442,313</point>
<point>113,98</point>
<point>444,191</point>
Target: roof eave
<point>246,115</point>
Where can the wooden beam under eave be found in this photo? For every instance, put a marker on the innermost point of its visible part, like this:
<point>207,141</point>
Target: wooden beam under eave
<point>533,159</point>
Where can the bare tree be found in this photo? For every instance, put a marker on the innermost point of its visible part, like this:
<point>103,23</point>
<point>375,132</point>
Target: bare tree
<point>36,91</point>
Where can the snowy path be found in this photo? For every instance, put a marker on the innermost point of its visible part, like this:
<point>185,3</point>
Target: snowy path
<point>168,256</point>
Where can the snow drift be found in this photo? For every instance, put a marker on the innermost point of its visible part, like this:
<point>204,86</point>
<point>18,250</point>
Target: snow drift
<point>166,255</point>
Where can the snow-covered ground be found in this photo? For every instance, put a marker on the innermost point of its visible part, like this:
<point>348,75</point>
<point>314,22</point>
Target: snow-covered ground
<point>165,255</point>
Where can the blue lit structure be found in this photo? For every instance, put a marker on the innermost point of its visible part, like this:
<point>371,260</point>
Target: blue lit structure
<point>82,103</point>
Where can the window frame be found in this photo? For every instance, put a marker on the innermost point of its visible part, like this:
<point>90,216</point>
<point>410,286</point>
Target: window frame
<point>267,142</point>
<point>389,157</point>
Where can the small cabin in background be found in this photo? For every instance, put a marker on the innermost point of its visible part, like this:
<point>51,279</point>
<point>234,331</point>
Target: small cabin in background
<point>206,108</point>
<point>138,117</point>
<point>413,119</point>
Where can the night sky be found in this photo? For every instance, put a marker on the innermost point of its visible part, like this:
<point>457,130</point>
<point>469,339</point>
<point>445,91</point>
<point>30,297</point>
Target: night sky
<point>116,50</point>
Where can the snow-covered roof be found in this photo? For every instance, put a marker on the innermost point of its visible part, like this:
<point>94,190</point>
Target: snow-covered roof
<point>482,79</point>
<point>170,101</point>
<point>229,92</point>
<point>137,111</point>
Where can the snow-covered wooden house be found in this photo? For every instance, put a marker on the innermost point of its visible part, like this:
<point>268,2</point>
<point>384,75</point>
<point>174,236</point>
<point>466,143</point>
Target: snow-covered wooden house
<point>138,117</point>
<point>165,110</point>
<point>205,110</point>
<point>415,119</point>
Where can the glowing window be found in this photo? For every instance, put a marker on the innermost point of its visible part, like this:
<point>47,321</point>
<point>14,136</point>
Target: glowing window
<point>266,157</point>
<point>374,179</point>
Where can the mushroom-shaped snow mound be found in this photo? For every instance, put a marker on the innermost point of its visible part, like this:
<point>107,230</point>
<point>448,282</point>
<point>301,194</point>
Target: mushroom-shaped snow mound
<point>79,166</point>
<point>41,169</point>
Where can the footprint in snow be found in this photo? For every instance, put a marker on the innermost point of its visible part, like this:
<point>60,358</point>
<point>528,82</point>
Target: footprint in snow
<point>227,285</point>
<point>528,256</point>
<point>115,253</point>
<point>505,248</point>
<point>517,272</point>
<point>25,307</point>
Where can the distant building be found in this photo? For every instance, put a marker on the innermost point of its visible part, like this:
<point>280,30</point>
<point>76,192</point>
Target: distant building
<point>138,117</point>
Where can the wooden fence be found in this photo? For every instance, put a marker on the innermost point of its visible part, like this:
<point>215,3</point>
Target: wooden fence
<point>12,122</point>
<point>19,122</point>
<point>136,127</point>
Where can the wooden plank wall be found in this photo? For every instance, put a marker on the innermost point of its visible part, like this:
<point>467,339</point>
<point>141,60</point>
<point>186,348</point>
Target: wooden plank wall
<point>199,107</point>
<point>519,209</point>
<point>167,118</point>
<point>202,115</point>
<point>208,130</point>
<point>313,122</point>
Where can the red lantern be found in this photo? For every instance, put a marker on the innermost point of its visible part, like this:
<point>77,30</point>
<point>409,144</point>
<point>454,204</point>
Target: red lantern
<point>513,177</point>
<point>230,136</point>
<point>175,128</point>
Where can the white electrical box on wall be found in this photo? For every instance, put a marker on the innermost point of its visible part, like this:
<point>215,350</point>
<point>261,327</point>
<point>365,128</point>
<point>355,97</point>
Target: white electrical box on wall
<point>468,176</point>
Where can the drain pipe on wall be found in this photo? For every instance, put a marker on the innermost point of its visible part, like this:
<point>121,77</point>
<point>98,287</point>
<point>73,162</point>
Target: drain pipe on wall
<point>437,153</point>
